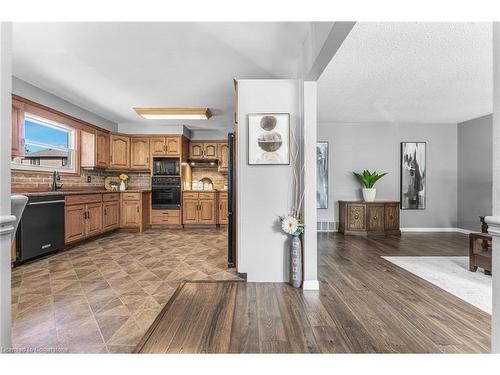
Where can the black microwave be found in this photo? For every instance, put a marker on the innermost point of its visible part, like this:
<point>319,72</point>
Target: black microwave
<point>166,167</point>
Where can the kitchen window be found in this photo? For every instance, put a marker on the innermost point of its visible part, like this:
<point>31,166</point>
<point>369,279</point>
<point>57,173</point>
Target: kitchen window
<point>48,146</point>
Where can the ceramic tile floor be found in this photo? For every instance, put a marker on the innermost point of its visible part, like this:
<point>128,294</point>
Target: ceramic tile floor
<point>102,295</point>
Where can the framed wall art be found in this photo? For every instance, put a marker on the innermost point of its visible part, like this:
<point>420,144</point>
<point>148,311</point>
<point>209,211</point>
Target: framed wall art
<point>413,175</point>
<point>269,138</point>
<point>322,175</point>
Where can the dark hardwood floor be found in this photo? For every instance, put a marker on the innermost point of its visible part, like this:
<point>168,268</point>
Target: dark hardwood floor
<point>365,305</point>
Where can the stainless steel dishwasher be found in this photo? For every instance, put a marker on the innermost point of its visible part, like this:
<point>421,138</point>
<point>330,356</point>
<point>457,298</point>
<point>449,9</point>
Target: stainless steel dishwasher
<point>41,230</point>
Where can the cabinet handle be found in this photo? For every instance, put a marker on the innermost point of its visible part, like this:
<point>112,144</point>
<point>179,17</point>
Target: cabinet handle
<point>137,208</point>
<point>105,213</point>
<point>111,158</point>
<point>374,218</point>
<point>85,215</point>
<point>356,217</point>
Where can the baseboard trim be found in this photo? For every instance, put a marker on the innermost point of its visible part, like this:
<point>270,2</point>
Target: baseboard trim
<point>448,230</point>
<point>310,285</point>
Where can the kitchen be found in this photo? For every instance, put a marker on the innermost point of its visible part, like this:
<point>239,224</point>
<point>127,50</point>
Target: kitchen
<point>118,218</point>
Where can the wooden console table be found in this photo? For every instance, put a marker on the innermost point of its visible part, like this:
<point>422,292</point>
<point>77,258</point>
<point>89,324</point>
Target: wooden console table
<point>369,218</point>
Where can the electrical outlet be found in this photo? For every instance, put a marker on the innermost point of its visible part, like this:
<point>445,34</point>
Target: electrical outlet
<point>89,179</point>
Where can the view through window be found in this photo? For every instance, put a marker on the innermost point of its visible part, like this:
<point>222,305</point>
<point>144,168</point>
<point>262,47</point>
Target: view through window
<point>47,145</point>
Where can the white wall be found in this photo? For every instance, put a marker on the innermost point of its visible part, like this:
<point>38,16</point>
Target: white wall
<point>5,144</point>
<point>264,192</point>
<point>376,146</point>
<point>36,94</point>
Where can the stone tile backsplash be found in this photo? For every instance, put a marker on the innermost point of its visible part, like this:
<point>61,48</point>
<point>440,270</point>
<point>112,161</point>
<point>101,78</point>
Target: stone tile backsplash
<point>218,179</point>
<point>33,181</point>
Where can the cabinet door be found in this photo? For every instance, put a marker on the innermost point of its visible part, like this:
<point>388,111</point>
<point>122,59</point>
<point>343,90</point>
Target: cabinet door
<point>158,146</point>
<point>190,211</point>
<point>210,150</point>
<point>223,209</point>
<point>130,214</point>
<point>375,218</point>
<point>173,146</point>
<point>207,212</point>
<point>392,216</point>
<point>139,153</point>
<point>102,149</point>
<point>110,215</point>
<point>356,217</point>
<point>120,148</point>
<point>93,223</point>
<point>195,150</point>
<point>74,223</point>
<point>17,129</point>
<point>222,155</point>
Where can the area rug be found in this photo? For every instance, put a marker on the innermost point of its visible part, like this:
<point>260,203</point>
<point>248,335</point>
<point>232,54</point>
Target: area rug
<point>451,274</point>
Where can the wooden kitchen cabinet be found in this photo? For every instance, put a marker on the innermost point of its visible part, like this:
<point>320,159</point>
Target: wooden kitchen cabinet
<point>94,219</point>
<point>135,210</point>
<point>139,153</point>
<point>165,217</point>
<point>203,150</point>
<point>74,223</point>
<point>199,208</point>
<point>95,149</point>
<point>369,218</point>
<point>223,156</point>
<point>110,215</point>
<point>119,152</point>
<point>223,209</point>
<point>165,146</point>
<point>17,146</point>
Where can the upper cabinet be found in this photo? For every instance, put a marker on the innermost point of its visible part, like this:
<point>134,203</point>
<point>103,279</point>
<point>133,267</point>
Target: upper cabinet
<point>95,149</point>
<point>119,152</point>
<point>223,156</point>
<point>165,146</point>
<point>17,128</point>
<point>139,153</point>
<point>202,150</point>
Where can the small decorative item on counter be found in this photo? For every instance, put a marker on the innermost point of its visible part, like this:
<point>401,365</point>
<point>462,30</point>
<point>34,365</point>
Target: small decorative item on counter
<point>123,178</point>
<point>114,186</point>
<point>292,225</point>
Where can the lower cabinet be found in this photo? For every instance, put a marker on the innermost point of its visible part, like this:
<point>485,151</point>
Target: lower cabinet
<point>88,215</point>
<point>199,208</point>
<point>223,209</point>
<point>165,217</point>
<point>135,210</point>
<point>369,218</point>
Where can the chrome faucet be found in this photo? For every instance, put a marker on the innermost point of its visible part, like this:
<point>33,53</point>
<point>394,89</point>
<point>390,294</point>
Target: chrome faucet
<point>55,178</point>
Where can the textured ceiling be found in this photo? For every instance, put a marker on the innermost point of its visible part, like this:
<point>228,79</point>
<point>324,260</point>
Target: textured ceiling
<point>108,68</point>
<point>409,72</point>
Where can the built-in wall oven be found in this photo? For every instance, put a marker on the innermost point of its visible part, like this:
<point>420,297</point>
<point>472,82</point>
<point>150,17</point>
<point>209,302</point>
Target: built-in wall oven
<point>166,193</point>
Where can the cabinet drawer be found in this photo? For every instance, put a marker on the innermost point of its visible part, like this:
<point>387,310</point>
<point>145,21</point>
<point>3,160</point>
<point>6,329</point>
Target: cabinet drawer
<point>356,215</point>
<point>165,213</point>
<point>222,195</point>
<point>131,196</point>
<point>191,195</point>
<point>165,220</point>
<point>207,195</point>
<point>82,199</point>
<point>110,197</point>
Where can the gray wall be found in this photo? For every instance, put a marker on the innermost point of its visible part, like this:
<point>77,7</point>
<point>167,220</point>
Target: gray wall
<point>28,91</point>
<point>376,146</point>
<point>264,191</point>
<point>475,152</point>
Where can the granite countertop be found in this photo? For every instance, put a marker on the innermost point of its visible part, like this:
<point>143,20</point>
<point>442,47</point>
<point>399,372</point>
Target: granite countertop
<point>79,192</point>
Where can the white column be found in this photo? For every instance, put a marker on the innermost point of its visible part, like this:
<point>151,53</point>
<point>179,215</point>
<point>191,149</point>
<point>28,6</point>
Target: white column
<point>6,220</point>
<point>494,221</point>
<point>310,213</point>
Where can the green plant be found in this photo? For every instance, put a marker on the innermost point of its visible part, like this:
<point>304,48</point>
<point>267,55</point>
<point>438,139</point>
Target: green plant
<point>368,179</point>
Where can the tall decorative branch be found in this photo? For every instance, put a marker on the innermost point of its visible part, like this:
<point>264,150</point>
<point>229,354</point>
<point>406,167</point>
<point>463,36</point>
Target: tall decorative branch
<point>298,176</point>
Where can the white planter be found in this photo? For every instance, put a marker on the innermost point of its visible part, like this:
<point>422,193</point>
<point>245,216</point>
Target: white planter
<point>123,187</point>
<point>369,194</point>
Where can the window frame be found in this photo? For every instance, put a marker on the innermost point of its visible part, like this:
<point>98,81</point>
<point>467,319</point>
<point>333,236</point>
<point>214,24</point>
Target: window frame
<point>39,110</point>
<point>49,123</point>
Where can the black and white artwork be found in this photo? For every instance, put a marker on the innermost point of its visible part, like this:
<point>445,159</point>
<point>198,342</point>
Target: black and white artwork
<point>269,138</point>
<point>413,175</point>
<point>322,175</point>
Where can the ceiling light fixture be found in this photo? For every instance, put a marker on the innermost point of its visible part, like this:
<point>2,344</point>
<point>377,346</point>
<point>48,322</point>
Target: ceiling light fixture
<point>174,113</point>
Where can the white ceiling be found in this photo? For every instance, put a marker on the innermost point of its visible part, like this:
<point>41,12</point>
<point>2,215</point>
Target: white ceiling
<point>108,68</point>
<point>409,72</point>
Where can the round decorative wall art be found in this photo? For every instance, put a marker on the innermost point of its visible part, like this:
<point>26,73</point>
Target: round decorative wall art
<point>269,138</point>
